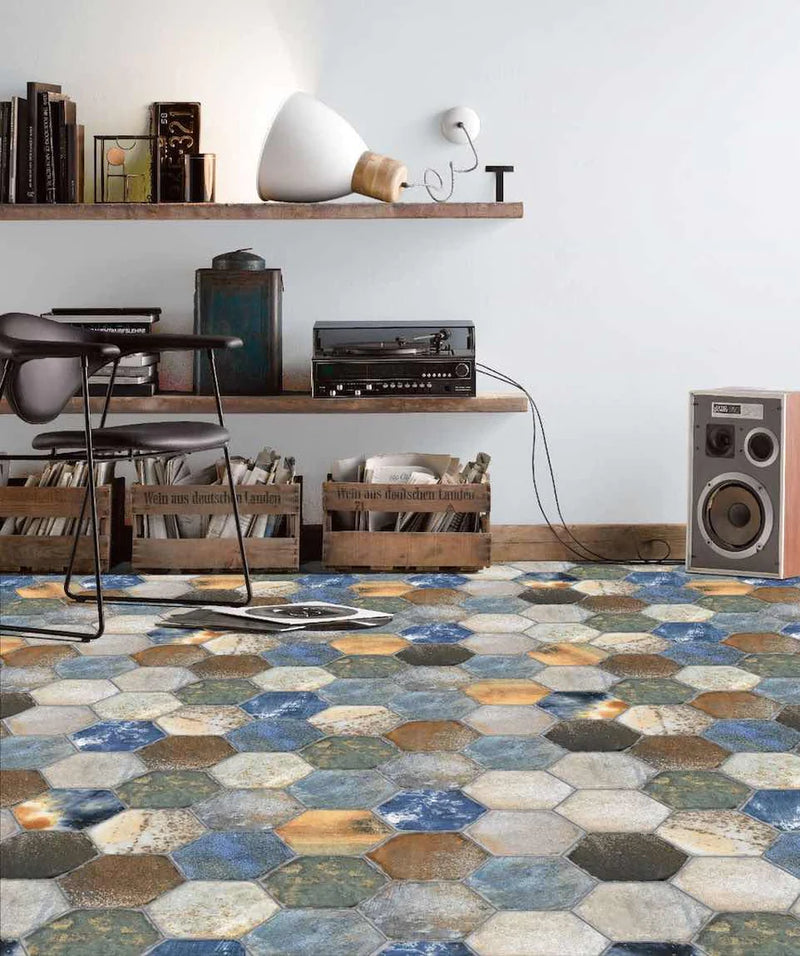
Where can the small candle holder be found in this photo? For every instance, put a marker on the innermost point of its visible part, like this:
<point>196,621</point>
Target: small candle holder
<point>126,168</point>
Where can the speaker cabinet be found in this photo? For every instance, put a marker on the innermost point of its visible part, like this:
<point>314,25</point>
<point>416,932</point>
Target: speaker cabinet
<point>744,483</point>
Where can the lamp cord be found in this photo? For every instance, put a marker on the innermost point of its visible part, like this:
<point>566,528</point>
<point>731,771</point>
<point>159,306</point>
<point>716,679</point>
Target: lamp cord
<point>438,186</point>
<point>537,423</point>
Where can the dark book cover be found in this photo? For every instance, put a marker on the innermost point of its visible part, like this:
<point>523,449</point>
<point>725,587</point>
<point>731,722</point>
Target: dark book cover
<point>33,176</point>
<point>5,148</point>
<point>178,125</point>
<point>125,391</point>
<point>139,310</point>
<point>19,148</point>
<point>63,113</point>
<point>80,178</point>
<point>46,160</point>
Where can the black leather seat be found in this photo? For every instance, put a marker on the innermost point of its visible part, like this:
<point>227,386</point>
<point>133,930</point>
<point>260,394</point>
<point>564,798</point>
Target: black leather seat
<point>143,437</point>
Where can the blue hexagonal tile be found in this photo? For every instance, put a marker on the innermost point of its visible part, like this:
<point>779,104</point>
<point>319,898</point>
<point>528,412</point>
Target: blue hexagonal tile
<point>342,789</point>
<point>117,582</point>
<point>694,631</point>
<point>652,949</point>
<point>778,808</point>
<point>198,947</point>
<point>784,689</point>
<point>301,932</point>
<point>110,735</point>
<point>426,947</point>
<point>232,855</point>
<point>68,809</point>
<point>94,668</point>
<point>301,655</point>
<point>580,704</point>
<point>793,630</point>
<point>752,735</point>
<point>436,580</point>
<point>433,705</point>
<point>438,633</point>
<point>167,635</point>
<point>32,753</point>
<point>279,703</point>
<point>785,852</point>
<point>319,581</point>
<point>530,883</point>
<point>493,605</point>
<point>274,733</point>
<point>329,595</point>
<point>430,810</point>
<point>739,623</point>
<point>656,579</point>
<point>500,752</point>
<point>698,652</point>
<point>507,665</point>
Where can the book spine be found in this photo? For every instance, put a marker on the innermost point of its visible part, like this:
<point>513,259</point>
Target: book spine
<point>29,188</point>
<point>80,174</point>
<point>5,144</point>
<point>21,153</point>
<point>46,159</point>
<point>60,149</point>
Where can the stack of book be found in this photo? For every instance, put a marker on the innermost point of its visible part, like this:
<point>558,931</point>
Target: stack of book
<point>41,147</point>
<point>137,374</point>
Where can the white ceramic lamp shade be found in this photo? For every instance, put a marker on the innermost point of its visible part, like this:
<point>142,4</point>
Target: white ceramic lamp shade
<point>311,154</point>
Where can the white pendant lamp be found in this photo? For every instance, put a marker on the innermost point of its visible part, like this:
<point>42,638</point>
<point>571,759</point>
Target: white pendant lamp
<point>311,154</point>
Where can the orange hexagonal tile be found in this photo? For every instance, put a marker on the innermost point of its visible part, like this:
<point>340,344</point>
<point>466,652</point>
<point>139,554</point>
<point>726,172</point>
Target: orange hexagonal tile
<point>721,587</point>
<point>435,596</point>
<point>369,644</point>
<point>777,595</point>
<point>763,643</point>
<point>39,655</point>
<point>370,589</point>
<point>428,856</point>
<point>736,703</point>
<point>121,880</point>
<point>335,832</point>
<point>569,655</point>
<point>506,691</point>
<point>431,735</point>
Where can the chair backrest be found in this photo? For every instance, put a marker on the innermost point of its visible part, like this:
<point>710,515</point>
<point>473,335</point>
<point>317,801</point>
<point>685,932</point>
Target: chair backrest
<point>38,391</point>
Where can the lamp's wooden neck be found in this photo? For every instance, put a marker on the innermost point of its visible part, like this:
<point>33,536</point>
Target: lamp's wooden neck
<point>379,177</point>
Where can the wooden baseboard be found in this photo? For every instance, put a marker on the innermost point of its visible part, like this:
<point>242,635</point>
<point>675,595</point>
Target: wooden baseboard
<point>533,542</point>
<point>619,542</point>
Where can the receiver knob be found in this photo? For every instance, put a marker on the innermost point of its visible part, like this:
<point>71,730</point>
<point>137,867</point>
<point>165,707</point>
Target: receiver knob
<point>461,370</point>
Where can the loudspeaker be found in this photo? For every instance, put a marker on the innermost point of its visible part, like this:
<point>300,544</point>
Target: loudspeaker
<point>744,483</point>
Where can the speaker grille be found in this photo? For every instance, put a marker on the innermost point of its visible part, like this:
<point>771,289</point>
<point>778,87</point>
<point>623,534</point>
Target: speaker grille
<point>735,514</point>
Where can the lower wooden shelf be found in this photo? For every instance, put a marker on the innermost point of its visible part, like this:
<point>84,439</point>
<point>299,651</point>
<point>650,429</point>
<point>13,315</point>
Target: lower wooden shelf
<point>301,404</point>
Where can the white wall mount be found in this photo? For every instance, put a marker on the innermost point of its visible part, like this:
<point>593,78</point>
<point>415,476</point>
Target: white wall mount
<point>469,119</point>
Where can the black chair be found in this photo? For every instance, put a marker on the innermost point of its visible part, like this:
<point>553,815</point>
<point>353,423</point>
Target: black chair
<point>44,363</point>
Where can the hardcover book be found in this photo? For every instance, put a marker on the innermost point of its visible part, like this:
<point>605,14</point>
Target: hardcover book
<point>5,148</point>
<point>18,159</point>
<point>33,179</point>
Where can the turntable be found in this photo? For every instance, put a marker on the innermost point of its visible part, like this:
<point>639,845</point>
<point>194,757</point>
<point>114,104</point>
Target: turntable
<point>385,359</point>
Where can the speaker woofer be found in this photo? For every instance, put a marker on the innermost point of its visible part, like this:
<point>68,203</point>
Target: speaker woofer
<point>735,514</point>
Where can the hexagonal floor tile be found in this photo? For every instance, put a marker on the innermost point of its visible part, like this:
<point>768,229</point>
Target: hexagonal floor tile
<point>187,753</point>
<point>767,771</point>
<point>716,833</point>
<point>14,703</point>
<point>431,735</point>
<point>640,665</point>
<point>429,810</point>
<point>580,704</point>
<point>427,655</point>
<point>299,932</point>
<point>575,678</point>
<point>232,855</point>
<point>135,705</point>
<point>742,934</point>
<point>30,753</point>
<point>513,753</point>
<point>376,665</point>
<point>499,645</point>
<point>592,770</point>
<point>333,832</point>
<point>45,721</point>
<point>324,881</point>
<point>717,678</point>
<point>67,809</point>
<point>17,785</point>
<point>735,704</point>
<point>568,655</point>
<point>679,752</point>
<point>203,720</point>
<point>199,947</point>
<point>366,644</point>
<point>441,633</point>
<point>433,705</point>
<point>63,692</point>
<point>731,885</point>
<point>229,666</point>
<point>217,691</point>
<point>170,655</point>
<point>154,679</point>
<point>435,910</point>
<point>592,735</point>
<point>752,735</point>
<point>778,808</point>
<point>168,788</point>
<point>518,790</point>
<point>697,790</point>
<point>762,643</point>
<point>94,932</point>
<point>342,789</point>
<point>613,811</point>
<point>626,857</point>
<point>524,833</point>
<point>26,905</point>
<point>509,720</point>
<point>436,771</point>
<point>653,690</point>
<point>147,831</point>
<point>666,719</point>
<point>248,770</point>
<point>209,908</point>
<point>540,933</point>
<point>785,851</point>
<point>348,753</point>
<point>39,855</point>
<point>292,680</point>
<point>642,911</point>
<point>355,721</point>
<point>258,809</point>
<point>120,881</point>
<point>525,883</point>
<point>428,856</point>
<point>95,770</point>
<point>115,735</point>
<point>274,734</point>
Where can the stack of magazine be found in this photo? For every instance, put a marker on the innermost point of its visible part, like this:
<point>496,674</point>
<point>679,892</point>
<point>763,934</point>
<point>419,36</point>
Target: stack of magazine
<point>137,374</point>
<point>267,468</point>
<point>59,474</point>
<point>410,469</point>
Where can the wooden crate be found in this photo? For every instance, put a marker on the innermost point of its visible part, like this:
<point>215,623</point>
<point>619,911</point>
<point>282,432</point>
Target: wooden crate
<point>405,551</point>
<point>213,554</point>
<point>45,554</point>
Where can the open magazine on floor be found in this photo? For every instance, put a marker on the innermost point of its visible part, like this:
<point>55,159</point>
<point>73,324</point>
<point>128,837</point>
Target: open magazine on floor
<point>275,618</point>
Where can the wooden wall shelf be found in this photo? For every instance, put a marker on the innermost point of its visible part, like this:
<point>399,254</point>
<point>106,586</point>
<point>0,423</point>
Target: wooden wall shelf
<point>300,404</point>
<point>259,211</point>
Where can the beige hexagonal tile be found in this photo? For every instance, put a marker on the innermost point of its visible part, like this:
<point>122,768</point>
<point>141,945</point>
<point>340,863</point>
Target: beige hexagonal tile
<point>241,644</point>
<point>735,885</point>
<point>112,645</point>
<point>562,633</point>
<point>137,706</point>
<point>252,770</point>
<point>499,644</point>
<point>633,642</point>
<point>719,677</point>
<point>576,678</point>
<point>94,770</point>
<point>642,911</point>
<point>275,588</point>
<point>666,719</point>
<point>47,721</point>
<point>678,613</point>
<point>212,909</point>
<point>598,588</point>
<point>64,692</point>
<point>523,833</point>
<point>765,771</point>
<point>536,934</point>
<point>587,771</point>
<point>484,587</point>
<point>614,811</point>
<point>496,623</point>
<point>154,679</point>
<point>351,720</point>
<point>27,904</point>
<point>556,613</point>
<point>293,678</point>
<point>511,719</point>
<point>717,833</point>
<point>147,831</point>
<point>517,790</point>
<point>204,719</point>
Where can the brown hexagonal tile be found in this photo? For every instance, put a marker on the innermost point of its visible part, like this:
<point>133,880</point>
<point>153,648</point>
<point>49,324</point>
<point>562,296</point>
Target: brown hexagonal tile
<point>766,643</point>
<point>170,655</point>
<point>230,665</point>
<point>640,665</point>
<point>679,752</point>
<point>120,880</point>
<point>618,603</point>
<point>13,703</point>
<point>568,655</point>
<point>506,691</point>
<point>17,785</point>
<point>333,832</point>
<point>790,716</point>
<point>185,752</point>
<point>593,736</point>
<point>40,854</point>
<point>735,703</point>
<point>636,857</point>
<point>428,856</point>
<point>38,655</point>
<point>550,592</point>
<point>423,735</point>
<point>777,595</point>
<point>434,596</point>
<point>435,655</point>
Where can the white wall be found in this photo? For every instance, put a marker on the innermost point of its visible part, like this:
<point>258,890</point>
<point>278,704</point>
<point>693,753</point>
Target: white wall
<point>657,150</point>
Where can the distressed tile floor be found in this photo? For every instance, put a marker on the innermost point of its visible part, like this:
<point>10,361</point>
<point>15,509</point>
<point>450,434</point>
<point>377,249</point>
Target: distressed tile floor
<point>537,760</point>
